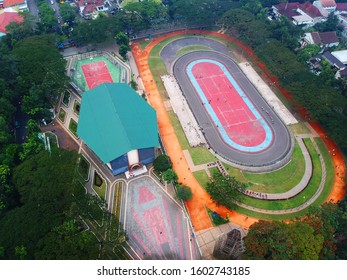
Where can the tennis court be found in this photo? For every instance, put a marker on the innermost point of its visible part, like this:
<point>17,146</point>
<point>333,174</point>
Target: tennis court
<point>92,71</point>
<point>96,73</point>
<point>237,120</point>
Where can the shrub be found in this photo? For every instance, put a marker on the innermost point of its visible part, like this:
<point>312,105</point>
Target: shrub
<point>162,163</point>
<point>183,193</point>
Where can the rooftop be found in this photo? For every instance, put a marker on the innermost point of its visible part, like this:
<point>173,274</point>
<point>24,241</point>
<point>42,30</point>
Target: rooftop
<point>328,3</point>
<point>114,120</point>
<point>333,60</point>
<point>10,3</point>
<point>8,17</point>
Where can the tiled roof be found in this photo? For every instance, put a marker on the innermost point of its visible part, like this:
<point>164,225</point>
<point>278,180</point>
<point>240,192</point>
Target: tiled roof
<point>289,10</point>
<point>328,37</point>
<point>10,3</point>
<point>311,10</point>
<point>316,38</point>
<point>328,3</point>
<point>341,7</point>
<point>7,17</point>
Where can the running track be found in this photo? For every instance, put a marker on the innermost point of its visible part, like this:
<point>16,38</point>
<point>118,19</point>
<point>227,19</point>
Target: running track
<point>260,137</point>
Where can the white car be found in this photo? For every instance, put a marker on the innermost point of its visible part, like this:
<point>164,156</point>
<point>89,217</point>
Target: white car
<point>52,2</point>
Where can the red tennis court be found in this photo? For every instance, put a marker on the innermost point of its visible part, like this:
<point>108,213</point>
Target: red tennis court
<point>96,73</point>
<point>236,117</point>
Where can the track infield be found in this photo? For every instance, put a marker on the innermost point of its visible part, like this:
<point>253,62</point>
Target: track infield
<point>233,114</point>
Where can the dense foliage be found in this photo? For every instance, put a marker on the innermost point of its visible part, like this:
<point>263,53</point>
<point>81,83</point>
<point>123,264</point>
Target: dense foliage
<point>224,189</point>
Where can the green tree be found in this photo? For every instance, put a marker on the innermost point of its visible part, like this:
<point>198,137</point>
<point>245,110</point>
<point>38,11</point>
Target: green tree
<point>268,241</point>
<point>162,163</point>
<point>183,193</point>
<point>170,176</point>
<point>67,12</point>
<point>41,70</point>
<point>47,16</point>
<point>307,52</point>
<point>224,189</point>
<point>20,252</point>
<point>123,50</point>
<point>122,39</point>
<point>306,244</point>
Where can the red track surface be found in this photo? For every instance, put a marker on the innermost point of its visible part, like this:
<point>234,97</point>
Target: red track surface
<point>96,73</point>
<point>236,117</point>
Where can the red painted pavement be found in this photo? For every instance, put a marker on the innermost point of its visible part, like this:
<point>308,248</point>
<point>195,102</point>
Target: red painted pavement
<point>236,117</point>
<point>96,73</point>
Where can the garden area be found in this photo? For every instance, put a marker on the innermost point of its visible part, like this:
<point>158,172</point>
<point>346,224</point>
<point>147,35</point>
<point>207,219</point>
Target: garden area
<point>73,127</point>
<point>99,185</point>
<point>76,107</point>
<point>62,115</point>
<point>83,168</point>
<point>66,98</point>
<point>53,139</point>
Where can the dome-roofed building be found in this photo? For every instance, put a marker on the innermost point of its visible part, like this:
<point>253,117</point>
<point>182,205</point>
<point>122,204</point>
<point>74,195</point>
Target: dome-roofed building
<point>119,126</point>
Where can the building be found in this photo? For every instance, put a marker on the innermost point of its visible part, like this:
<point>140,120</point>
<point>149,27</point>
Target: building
<point>322,39</point>
<point>9,15</point>
<point>333,61</point>
<point>88,9</point>
<point>20,5</point>
<point>341,8</point>
<point>341,55</point>
<point>328,5</point>
<point>305,15</point>
<point>119,126</point>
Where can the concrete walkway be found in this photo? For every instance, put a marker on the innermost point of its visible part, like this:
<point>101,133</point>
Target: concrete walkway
<point>268,94</point>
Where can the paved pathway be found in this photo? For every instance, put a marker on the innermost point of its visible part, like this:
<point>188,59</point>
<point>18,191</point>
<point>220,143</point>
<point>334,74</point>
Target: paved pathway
<point>155,224</point>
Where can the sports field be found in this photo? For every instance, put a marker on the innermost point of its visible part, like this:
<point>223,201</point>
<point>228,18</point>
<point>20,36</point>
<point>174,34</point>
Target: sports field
<point>94,71</point>
<point>235,117</point>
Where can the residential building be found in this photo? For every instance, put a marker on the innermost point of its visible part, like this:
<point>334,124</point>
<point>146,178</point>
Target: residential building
<point>90,8</point>
<point>20,5</point>
<point>305,15</point>
<point>328,5</point>
<point>334,61</point>
<point>322,39</point>
<point>9,15</point>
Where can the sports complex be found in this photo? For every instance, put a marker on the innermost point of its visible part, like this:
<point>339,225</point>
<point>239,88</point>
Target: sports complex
<point>213,112</point>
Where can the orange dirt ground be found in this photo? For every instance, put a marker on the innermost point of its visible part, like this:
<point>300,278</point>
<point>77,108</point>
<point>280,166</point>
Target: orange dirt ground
<point>201,198</point>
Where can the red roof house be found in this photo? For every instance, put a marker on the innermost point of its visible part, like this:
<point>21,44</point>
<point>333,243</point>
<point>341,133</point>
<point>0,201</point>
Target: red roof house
<point>7,17</point>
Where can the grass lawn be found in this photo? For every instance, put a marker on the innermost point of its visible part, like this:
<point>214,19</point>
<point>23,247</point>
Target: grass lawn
<point>190,49</point>
<point>158,69</point>
<point>73,127</point>
<point>117,198</point>
<point>299,128</point>
<point>62,114</point>
<point>277,181</point>
<point>83,168</point>
<point>76,107</point>
<point>307,193</point>
<point>99,185</point>
<point>53,141</point>
<point>329,165</point>
<point>281,180</point>
<point>202,177</point>
<point>321,199</point>
<point>144,44</point>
